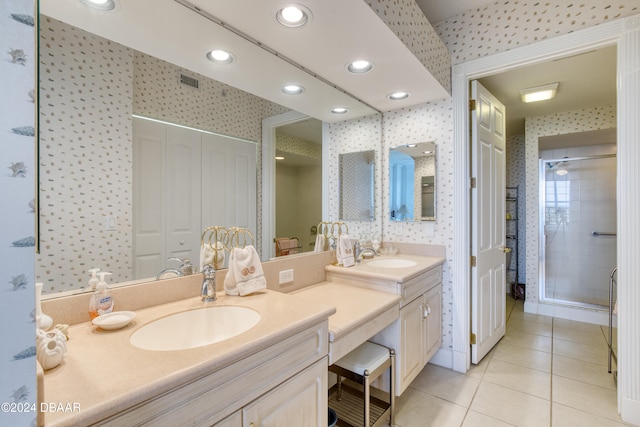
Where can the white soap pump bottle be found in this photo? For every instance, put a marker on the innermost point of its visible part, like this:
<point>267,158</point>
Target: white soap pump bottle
<point>94,278</point>
<point>101,301</point>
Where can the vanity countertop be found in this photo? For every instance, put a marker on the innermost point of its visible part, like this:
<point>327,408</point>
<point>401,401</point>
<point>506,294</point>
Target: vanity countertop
<point>363,270</point>
<point>104,374</point>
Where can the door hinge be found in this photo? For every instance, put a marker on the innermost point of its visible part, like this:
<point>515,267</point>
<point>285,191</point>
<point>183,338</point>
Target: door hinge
<point>473,261</point>
<point>472,339</point>
<point>472,105</point>
<point>473,182</point>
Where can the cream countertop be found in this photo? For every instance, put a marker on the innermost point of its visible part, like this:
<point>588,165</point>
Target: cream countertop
<point>364,271</point>
<point>105,374</point>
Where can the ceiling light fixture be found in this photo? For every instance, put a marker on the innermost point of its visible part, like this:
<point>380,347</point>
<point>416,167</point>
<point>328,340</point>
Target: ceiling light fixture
<point>293,16</point>
<point>539,93</point>
<point>279,158</point>
<point>104,5</point>
<point>339,110</point>
<point>293,89</point>
<point>220,56</point>
<point>397,96</point>
<point>360,66</point>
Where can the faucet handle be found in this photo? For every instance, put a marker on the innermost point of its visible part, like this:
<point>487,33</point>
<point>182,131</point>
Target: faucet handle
<point>186,267</point>
<point>208,271</point>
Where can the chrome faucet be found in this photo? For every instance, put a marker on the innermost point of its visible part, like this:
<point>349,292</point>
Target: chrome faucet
<point>367,253</point>
<point>185,268</point>
<point>208,290</point>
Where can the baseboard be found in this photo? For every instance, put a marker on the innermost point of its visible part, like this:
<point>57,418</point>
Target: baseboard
<point>630,411</point>
<point>443,358</point>
<point>578,314</point>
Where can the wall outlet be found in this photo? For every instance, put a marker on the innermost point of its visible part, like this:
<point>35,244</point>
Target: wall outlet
<point>110,223</point>
<point>286,276</point>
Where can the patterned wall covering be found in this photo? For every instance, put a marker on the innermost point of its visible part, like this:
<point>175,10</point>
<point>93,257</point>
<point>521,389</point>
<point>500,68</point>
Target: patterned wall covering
<point>516,177</point>
<point>507,24</point>
<point>93,112</point>
<point>356,178</point>
<point>17,183</point>
<point>407,21</point>
<point>294,145</point>
<point>535,127</point>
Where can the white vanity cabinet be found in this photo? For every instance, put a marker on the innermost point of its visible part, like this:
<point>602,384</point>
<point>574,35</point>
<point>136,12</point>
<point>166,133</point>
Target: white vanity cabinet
<point>417,334</point>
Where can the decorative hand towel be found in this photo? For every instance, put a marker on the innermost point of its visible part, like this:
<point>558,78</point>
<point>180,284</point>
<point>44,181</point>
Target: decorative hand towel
<point>245,274</point>
<point>209,255</point>
<point>344,252</point>
<point>321,243</point>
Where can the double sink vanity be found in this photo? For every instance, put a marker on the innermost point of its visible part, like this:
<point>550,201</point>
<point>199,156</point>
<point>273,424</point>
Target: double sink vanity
<point>274,373</point>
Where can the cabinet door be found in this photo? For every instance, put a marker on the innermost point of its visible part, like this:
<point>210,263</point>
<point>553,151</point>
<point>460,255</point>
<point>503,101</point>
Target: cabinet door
<point>233,420</point>
<point>433,321</point>
<point>411,342</point>
<point>300,401</point>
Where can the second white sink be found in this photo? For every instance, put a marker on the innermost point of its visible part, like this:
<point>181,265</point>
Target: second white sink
<point>195,328</point>
<point>392,263</point>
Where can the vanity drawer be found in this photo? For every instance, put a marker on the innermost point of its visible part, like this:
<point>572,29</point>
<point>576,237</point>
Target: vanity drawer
<point>413,288</point>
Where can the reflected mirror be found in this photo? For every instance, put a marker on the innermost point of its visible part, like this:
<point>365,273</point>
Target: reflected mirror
<point>412,178</point>
<point>357,177</point>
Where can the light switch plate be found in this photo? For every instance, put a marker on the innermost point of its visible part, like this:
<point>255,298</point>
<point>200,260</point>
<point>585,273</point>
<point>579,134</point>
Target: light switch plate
<point>286,276</point>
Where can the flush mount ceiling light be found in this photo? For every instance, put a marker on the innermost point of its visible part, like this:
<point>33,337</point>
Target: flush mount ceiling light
<point>539,93</point>
<point>279,158</point>
<point>293,16</point>
<point>360,66</point>
<point>220,56</point>
<point>104,5</point>
<point>397,96</point>
<point>339,110</point>
<point>293,89</point>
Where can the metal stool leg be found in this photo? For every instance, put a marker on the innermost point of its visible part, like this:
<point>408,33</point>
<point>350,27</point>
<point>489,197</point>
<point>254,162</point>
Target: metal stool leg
<point>392,389</point>
<point>339,393</point>
<point>367,399</point>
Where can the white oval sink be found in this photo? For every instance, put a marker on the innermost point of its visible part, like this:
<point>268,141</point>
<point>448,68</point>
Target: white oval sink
<point>392,263</point>
<point>195,328</point>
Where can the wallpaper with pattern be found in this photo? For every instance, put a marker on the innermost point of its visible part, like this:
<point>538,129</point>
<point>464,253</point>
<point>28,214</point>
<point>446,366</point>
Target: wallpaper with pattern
<point>17,183</point>
<point>535,127</point>
<point>294,145</point>
<point>407,21</point>
<point>507,24</point>
<point>91,88</point>
<point>516,177</point>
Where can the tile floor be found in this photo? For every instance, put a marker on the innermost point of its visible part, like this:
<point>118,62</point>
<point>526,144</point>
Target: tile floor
<point>544,372</point>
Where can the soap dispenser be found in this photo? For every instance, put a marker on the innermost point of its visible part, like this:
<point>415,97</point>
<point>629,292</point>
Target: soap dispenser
<point>94,278</point>
<point>101,301</point>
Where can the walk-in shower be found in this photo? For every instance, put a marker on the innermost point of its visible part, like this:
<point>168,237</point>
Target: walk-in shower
<point>577,229</point>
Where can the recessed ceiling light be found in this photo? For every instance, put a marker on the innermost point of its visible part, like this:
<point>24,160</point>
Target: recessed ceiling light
<point>397,96</point>
<point>279,158</point>
<point>539,93</point>
<point>104,5</point>
<point>220,56</point>
<point>360,66</point>
<point>293,16</point>
<point>339,110</point>
<point>293,89</point>
<point>427,152</point>
<point>412,145</point>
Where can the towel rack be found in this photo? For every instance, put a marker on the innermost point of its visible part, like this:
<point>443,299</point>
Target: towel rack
<point>221,238</point>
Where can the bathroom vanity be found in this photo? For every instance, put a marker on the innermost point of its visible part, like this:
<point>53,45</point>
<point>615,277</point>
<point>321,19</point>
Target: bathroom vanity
<point>417,333</point>
<point>275,371</point>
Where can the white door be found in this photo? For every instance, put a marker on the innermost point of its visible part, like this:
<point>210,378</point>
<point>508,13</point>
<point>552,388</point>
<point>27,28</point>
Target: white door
<point>488,287</point>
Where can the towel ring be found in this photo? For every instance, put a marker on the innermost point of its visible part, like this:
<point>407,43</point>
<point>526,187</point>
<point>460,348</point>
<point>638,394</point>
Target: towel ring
<point>237,234</point>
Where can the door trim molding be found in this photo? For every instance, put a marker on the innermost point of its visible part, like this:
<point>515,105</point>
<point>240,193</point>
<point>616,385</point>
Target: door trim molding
<point>625,34</point>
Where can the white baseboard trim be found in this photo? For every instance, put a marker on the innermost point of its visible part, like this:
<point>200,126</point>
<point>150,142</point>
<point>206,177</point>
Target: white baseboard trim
<point>443,358</point>
<point>586,315</point>
<point>630,411</point>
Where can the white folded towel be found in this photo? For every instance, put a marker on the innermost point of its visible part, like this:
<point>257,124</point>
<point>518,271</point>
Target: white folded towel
<point>245,274</point>
<point>321,243</point>
<point>344,251</point>
<point>209,255</point>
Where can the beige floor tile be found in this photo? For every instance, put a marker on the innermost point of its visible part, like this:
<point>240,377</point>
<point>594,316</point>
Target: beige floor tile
<point>520,325</point>
<point>519,314</point>
<point>565,416</point>
<point>581,326</point>
<point>587,353</point>
<point>526,380</point>
<point>478,370</point>
<point>447,384</point>
<point>523,339</point>
<point>586,372</point>
<point>578,336</point>
<point>510,406</point>
<point>529,358</point>
<point>585,397</point>
<point>418,409</point>
<point>476,419</point>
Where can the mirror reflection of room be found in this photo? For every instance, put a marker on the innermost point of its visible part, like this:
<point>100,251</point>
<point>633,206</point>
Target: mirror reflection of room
<point>412,177</point>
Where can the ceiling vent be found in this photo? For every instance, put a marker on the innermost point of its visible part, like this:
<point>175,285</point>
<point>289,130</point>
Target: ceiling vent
<point>189,81</point>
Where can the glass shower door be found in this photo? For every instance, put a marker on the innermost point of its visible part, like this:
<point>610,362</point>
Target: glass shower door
<point>578,215</point>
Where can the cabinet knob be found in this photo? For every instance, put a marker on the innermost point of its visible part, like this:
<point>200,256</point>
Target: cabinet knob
<point>252,425</point>
<point>181,242</point>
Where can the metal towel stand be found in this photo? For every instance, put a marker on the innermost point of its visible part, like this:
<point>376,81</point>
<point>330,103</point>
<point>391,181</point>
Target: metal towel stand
<point>612,354</point>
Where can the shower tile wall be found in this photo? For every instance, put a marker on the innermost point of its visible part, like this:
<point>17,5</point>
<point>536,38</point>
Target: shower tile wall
<point>17,181</point>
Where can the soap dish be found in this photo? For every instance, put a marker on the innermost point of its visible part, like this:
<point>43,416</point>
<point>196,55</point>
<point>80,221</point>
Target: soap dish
<point>114,320</point>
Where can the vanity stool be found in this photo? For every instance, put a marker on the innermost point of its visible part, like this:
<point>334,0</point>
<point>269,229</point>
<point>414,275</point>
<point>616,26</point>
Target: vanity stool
<point>364,365</point>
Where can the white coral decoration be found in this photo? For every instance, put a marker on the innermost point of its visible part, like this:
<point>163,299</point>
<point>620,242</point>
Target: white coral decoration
<point>51,347</point>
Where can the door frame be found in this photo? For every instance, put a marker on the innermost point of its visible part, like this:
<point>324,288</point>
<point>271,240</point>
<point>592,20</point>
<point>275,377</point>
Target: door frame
<point>625,34</point>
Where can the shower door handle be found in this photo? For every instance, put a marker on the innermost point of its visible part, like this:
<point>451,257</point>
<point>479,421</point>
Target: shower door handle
<point>601,233</point>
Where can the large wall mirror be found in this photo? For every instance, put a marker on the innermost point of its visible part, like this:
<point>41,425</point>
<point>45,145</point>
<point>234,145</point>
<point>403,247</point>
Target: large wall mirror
<point>357,178</point>
<point>412,182</point>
